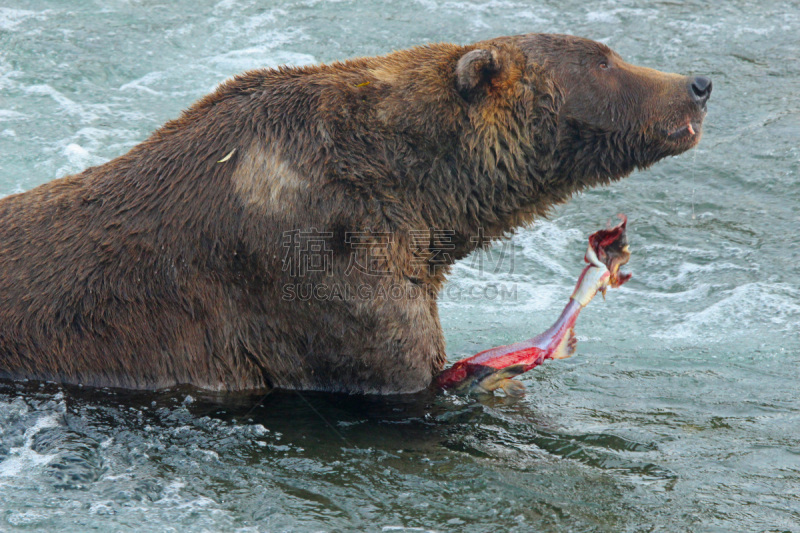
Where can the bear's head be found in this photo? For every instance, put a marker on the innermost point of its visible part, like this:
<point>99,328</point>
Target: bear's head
<point>591,117</point>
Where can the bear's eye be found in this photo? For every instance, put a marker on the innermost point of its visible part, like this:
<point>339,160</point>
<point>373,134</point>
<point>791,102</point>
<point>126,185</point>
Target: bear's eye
<point>604,65</point>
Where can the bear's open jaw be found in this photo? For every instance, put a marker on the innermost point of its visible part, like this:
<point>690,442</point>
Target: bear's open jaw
<point>687,130</point>
<point>685,136</point>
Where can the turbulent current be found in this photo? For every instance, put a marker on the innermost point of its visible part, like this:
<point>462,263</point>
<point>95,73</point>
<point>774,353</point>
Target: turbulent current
<point>680,412</point>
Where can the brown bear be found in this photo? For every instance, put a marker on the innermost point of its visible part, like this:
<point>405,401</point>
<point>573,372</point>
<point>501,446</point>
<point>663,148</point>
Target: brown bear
<point>292,229</point>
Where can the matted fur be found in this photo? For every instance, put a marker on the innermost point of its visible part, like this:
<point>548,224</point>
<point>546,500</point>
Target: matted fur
<point>166,266</point>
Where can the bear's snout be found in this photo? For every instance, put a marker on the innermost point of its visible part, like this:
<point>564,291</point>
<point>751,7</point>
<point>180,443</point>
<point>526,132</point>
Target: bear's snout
<point>700,90</point>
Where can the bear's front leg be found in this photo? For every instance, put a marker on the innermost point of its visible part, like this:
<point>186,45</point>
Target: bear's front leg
<point>407,348</point>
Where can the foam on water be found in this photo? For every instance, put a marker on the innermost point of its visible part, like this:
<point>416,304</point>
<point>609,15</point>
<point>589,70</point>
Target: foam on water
<point>10,18</point>
<point>23,459</point>
<point>142,84</point>
<point>774,305</point>
<point>259,57</point>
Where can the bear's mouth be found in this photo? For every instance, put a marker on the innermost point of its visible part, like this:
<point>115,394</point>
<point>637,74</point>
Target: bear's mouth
<point>687,134</point>
<point>688,131</point>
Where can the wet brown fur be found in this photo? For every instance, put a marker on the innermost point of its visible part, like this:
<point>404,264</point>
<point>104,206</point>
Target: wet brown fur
<point>165,266</point>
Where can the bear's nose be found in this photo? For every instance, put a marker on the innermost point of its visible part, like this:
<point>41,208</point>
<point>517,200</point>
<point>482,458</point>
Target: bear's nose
<point>701,90</point>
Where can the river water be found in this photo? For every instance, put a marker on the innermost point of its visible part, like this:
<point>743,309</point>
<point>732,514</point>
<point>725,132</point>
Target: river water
<point>681,411</point>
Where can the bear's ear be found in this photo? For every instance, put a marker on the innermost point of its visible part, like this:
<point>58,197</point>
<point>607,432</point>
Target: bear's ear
<point>474,69</point>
